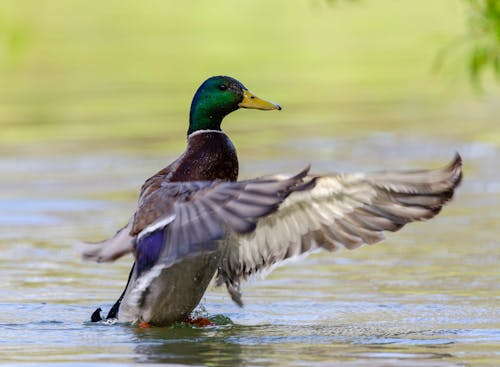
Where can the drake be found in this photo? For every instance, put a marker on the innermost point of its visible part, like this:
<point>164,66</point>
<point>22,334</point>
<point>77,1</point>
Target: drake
<point>194,219</point>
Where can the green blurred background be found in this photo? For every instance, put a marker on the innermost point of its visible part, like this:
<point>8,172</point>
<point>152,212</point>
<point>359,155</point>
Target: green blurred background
<point>120,74</point>
<point>95,96</point>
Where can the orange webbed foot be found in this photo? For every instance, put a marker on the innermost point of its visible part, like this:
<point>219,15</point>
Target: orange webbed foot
<point>199,321</point>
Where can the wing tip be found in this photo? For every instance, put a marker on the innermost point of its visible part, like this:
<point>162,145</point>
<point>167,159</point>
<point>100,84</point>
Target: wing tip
<point>90,254</point>
<point>454,175</point>
<point>455,167</point>
<point>303,173</point>
<point>99,253</point>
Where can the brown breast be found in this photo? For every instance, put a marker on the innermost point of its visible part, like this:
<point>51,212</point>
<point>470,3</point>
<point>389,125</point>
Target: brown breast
<point>209,156</point>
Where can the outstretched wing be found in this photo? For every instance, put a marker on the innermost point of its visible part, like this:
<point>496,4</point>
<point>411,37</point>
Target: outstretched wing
<point>339,210</point>
<point>182,219</point>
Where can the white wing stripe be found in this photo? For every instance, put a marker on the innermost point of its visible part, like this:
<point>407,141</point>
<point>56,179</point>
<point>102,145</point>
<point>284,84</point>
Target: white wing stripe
<point>156,225</point>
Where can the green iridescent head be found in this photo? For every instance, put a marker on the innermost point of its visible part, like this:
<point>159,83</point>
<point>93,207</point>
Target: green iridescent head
<point>219,96</point>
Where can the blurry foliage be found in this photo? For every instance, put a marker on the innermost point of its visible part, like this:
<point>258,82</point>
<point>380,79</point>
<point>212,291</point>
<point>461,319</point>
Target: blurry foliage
<point>13,40</point>
<point>479,47</point>
<point>481,44</point>
<point>483,38</point>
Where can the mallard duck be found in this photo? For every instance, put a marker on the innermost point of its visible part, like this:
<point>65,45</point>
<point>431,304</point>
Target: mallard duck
<point>194,219</point>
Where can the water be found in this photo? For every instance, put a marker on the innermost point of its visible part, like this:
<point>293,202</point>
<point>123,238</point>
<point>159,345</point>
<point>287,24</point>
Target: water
<point>427,296</point>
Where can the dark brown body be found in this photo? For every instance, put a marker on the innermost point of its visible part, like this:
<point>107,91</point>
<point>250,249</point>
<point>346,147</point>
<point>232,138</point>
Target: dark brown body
<point>177,290</point>
<point>210,155</point>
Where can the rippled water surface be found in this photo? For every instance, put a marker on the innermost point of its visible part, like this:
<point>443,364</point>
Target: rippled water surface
<point>428,296</point>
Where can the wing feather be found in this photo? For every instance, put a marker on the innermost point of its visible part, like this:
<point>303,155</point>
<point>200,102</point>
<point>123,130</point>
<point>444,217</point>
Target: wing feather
<point>332,211</point>
<point>202,213</point>
<point>111,249</point>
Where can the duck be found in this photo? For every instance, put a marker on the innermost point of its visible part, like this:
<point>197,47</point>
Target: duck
<point>195,221</point>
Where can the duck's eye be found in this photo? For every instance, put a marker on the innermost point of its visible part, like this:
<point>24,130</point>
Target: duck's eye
<point>222,87</point>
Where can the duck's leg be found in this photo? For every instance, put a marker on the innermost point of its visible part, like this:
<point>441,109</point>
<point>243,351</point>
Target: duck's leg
<point>144,325</point>
<point>198,321</point>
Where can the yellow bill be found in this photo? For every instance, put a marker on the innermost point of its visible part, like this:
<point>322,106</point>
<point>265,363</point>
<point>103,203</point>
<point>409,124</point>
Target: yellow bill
<point>250,100</point>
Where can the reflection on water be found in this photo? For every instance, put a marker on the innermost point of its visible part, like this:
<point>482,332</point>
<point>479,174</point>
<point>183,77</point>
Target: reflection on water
<point>425,297</point>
